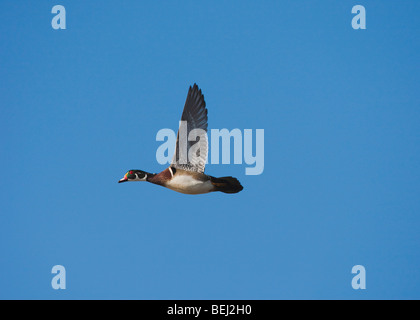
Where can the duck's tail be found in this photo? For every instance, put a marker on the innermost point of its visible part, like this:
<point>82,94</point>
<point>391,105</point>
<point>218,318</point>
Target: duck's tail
<point>226,184</point>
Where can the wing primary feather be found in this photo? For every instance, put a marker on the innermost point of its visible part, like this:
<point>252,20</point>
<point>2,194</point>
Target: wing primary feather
<point>196,115</point>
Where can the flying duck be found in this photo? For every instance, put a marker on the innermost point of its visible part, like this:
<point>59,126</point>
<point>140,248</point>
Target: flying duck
<point>186,175</point>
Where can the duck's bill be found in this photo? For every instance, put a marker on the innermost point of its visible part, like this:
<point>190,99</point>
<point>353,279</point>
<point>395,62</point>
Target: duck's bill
<point>123,180</point>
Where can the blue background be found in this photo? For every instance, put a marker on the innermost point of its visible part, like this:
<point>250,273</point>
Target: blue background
<point>341,114</point>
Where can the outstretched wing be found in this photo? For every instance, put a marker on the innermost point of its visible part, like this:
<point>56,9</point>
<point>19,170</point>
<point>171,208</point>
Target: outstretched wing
<point>192,155</point>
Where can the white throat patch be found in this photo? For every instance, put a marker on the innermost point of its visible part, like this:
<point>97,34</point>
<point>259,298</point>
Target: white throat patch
<point>141,179</point>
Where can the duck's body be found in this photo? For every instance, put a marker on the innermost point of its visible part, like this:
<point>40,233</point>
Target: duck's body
<point>188,182</point>
<point>193,182</point>
<point>187,175</point>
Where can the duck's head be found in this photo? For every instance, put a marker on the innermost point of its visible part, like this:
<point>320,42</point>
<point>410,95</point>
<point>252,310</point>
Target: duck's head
<point>134,175</point>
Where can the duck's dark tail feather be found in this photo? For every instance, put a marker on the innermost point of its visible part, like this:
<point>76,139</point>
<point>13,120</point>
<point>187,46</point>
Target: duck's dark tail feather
<point>227,184</point>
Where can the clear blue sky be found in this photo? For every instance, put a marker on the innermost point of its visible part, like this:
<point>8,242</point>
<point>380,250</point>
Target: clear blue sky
<point>341,114</point>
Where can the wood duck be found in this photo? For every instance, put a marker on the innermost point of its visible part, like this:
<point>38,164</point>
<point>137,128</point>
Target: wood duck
<point>188,176</point>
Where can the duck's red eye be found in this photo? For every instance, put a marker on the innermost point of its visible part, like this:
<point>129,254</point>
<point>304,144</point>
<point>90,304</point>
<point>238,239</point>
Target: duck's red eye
<point>131,172</point>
